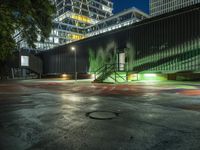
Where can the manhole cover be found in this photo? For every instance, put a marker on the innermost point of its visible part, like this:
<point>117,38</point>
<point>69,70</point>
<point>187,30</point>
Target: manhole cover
<point>102,115</point>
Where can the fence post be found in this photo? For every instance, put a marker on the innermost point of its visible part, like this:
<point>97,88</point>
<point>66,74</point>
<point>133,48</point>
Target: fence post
<point>12,71</point>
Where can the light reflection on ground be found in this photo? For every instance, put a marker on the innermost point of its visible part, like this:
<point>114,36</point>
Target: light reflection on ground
<point>51,114</point>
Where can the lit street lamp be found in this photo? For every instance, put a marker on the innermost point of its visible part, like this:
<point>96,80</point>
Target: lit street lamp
<point>75,73</point>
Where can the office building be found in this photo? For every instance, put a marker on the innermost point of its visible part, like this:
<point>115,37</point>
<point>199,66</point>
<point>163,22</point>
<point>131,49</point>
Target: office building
<point>72,17</point>
<point>75,15</point>
<point>158,7</point>
<point>79,19</point>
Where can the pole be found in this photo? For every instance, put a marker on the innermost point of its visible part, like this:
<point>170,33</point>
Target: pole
<point>12,71</point>
<point>75,65</point>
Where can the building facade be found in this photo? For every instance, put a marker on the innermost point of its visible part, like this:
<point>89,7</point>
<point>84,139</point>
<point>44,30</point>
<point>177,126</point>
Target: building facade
<point>167,44</point>
<point>73,16</point>
<point>79,19</point>
<point>158,7</point>
<point>71,19</point>
<point>119,20</point>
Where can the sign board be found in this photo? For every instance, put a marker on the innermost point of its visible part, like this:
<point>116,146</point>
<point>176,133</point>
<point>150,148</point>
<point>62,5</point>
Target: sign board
<point>24,61</point>
<point>122,62</point>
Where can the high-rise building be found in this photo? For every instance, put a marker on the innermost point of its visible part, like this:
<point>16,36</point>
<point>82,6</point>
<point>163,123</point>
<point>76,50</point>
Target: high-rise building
<point>73,16</point>
<point>158,7</point>
<point>79,19</point>
<point>71,19</point>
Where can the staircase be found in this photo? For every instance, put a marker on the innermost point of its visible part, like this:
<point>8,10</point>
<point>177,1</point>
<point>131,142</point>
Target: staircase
<point>23,73</point>
<point>114,73</point>
<point>33,70</point>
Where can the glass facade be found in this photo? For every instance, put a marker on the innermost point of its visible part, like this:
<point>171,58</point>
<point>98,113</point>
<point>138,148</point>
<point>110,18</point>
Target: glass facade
<point>73,16</point>
<point>69,24</point>
<point>158,7</point>
<point>79,19</point>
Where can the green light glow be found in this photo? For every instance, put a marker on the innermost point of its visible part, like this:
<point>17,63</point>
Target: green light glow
<point>183,57</point>
<point>176,58</point>
<point>152,77</point>
<point>101,56</point>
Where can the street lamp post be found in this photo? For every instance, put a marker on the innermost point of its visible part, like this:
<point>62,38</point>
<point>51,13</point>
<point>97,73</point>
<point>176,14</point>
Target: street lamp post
<point>75,72</point>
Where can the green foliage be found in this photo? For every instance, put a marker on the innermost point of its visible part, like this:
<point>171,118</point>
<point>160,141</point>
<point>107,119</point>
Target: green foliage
<point>30,17</point>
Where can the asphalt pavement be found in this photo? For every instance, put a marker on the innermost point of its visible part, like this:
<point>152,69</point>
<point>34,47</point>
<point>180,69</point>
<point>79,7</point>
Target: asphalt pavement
<point>55,114</point>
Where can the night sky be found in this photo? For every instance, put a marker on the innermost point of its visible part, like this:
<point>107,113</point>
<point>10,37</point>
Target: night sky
<point>120,5</point>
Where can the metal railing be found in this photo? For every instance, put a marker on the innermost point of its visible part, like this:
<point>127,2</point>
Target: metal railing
<point>107,70</point>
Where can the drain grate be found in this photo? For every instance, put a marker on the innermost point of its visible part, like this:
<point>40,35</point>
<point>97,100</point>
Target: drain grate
<point>102,115</point>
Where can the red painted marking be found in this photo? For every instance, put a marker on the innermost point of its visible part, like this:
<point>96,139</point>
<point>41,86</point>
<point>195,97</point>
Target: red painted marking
<point>190,92</point>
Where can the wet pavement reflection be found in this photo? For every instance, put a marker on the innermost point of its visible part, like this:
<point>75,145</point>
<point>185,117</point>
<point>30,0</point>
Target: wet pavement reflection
<point>53,114</point>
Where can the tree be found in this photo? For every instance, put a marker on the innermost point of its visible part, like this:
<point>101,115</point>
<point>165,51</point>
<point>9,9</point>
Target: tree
<point>32,18</point>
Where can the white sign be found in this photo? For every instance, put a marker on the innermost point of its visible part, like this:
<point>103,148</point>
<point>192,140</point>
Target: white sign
<point>24,61</point>
<point>122,62</point>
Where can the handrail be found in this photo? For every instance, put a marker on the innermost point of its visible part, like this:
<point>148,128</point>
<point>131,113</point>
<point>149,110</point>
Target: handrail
<point>104,67</point>
<point>99,68</point>
<point>98,71</point>
<point>107,69</point>
<point>120,76</point>
<point>102,70</point>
